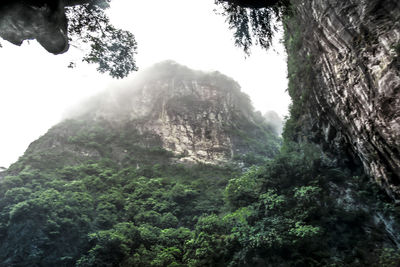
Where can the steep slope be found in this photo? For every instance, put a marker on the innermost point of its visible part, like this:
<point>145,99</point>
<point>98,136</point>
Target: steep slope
<point>344,79</point>
<point>168,114</point>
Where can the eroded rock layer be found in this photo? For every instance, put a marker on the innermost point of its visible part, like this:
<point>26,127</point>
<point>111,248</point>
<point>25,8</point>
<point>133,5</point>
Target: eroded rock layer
<point>350,51</point>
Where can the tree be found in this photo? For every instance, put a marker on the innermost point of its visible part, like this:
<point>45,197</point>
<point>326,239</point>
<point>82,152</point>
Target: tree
<point>112,49</point>
<point>253,21</point>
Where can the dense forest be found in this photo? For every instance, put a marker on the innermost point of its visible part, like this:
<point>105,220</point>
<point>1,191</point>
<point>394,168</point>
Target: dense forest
<point>293,210</point>
<point>202,179</point>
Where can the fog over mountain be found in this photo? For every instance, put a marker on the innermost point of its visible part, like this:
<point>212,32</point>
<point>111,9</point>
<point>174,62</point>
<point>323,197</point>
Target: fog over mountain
<point>49,87</point>
<point>275,121</point>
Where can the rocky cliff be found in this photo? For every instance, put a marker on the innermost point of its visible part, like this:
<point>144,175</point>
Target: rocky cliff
<point>344,79</point>
<point>169,113</point>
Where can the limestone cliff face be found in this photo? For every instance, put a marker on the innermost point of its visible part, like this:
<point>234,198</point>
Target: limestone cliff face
<point>168,114</point>
<point>344,70</point>
<point>201,117</point>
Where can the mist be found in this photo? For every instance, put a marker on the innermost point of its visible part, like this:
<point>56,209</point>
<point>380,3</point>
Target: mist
<point>119,98</point>
<point>274,121</point>
<point>37,88</point>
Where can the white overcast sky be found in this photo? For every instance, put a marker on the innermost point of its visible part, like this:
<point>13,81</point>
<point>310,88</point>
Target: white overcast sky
<point>36,87</point>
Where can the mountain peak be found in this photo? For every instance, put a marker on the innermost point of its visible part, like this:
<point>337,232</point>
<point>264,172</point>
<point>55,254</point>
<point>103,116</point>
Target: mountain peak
<point>190,116</point>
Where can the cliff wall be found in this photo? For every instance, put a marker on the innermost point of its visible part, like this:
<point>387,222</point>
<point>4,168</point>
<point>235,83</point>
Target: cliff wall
<point>344,79</point>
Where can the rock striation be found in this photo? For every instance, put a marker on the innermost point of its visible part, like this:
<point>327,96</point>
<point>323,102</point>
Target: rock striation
<point>350,96</point>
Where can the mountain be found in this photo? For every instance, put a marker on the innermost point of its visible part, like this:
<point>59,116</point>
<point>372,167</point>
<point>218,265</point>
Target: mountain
<point>170,113</point>
<point>156,154</point>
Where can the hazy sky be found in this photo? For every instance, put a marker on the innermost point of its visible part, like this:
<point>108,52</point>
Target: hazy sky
<point>37,87</point>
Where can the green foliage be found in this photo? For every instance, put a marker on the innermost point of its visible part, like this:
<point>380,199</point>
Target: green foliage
<point>112,246</point>
<point>244,190</point>
<point>252,22</point>
<point>301,77</point>
<point>292,210</point>
<point>389,257</point>
<point>97,214</point>
<point>296,219</point>
<point>112,49</point>
<point>395,48</point>
<point>209,244</point>
<point>93,141</point>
